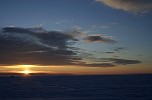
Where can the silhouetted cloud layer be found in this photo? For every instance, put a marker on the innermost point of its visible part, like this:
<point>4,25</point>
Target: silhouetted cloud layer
<point>134,6</point>
<point>37,46</point>
<point>21,45</point>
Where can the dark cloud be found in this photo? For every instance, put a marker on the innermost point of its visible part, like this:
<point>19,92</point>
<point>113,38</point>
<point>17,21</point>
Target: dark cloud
<point>110,52</point>
<point>134,6</point>
<point>100,65</point>
<point>117,61</point>
<point>101,39</point>
<point>125,62</point>
<point>48,39</point>
<point>118,49</point>
<point>19,46</point>
<point>37,46</point>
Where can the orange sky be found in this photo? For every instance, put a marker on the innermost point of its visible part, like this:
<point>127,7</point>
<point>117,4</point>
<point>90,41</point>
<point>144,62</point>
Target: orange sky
<point>75,69</point>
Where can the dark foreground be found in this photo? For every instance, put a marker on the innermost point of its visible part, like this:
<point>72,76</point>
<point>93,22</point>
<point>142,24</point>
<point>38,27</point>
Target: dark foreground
<point>64,87</point>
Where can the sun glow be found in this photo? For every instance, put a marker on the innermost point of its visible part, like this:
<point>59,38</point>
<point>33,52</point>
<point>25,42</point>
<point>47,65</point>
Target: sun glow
<point>26,72</point>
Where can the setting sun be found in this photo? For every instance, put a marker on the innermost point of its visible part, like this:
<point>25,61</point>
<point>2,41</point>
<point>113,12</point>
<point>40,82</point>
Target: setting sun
<point>26,72</point>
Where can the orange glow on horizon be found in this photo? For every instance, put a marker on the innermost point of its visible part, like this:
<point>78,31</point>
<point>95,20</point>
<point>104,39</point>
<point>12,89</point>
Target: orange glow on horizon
<point>76,70</point>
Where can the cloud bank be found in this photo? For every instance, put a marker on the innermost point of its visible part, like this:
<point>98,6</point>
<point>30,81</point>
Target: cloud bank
<point>36,46</point>
<point>133,6</point>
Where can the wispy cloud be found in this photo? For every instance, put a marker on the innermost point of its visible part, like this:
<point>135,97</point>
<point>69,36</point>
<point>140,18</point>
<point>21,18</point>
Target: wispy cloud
<point>118,49</point>
<point>134,6</point>
<point>100,65</point>
<point>125,61</point>
<point>119,61</point>
<point>109,52</point>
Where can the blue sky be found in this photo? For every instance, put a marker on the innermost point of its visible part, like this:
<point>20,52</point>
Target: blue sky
<point>129,27</point>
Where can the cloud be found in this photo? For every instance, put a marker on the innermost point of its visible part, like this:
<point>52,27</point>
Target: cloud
<point>125,62</point>
<point>109,52</point>
<point>37,36</point>
<point>117,61</point>
<point>36,46</point>
<point>99,38</point>
<point>118,49</point>
<point>133,6</point>
<point>23,45</point>
<point>100,65</point>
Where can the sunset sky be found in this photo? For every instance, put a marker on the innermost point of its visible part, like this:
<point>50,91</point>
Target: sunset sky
<point>76,36</point>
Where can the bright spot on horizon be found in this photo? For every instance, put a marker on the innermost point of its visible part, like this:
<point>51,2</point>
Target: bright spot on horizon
<point>26,72</point>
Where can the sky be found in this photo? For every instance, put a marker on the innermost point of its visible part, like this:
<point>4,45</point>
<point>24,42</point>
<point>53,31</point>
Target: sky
<point>76,36</point>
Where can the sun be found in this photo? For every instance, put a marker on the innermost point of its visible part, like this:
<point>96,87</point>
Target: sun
<point>26,72</point>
